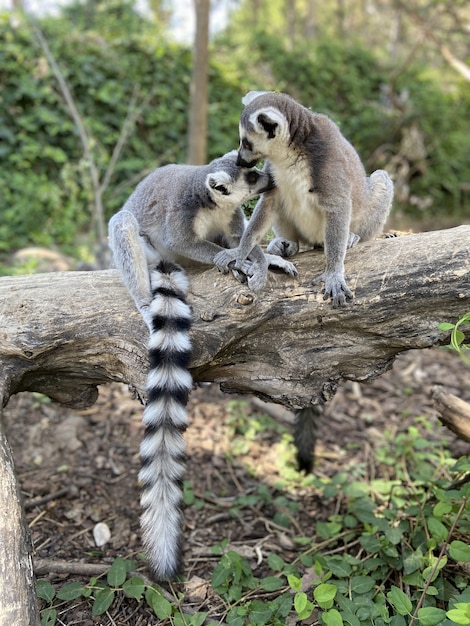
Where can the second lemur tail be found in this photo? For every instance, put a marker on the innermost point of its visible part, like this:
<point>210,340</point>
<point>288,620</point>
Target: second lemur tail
<point>163,447</point>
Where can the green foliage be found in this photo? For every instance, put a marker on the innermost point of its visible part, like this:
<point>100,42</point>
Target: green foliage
<point>390,556</point>
<point>457,337</point>
<point>410,123</point>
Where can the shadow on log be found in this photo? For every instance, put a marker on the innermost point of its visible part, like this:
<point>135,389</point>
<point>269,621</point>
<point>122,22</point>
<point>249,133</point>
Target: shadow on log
<point>65,333</point>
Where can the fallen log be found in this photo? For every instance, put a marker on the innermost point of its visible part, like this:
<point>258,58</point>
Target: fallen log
<point>65,333</point>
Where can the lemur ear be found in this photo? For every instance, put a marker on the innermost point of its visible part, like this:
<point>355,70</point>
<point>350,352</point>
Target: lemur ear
<point>251,95</point>
<point>268,121</point>
<point>219,181</point>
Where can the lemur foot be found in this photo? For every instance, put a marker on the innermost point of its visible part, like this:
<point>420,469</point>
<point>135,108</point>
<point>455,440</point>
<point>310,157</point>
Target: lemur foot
<point>278,262</point>
<point>282,247</point>
<point>335,288</point>
<point>224,259</point>
<point>353,240</point>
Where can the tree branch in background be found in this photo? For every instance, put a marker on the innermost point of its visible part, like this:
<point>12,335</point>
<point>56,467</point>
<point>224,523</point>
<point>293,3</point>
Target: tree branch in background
<point>99,185</point>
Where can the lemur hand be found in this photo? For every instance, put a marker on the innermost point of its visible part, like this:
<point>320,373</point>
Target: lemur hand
<point>335,287</point>
<point>282,247</point>
<point>257,274</point>
<point>224,259</point>
<point>278,262</point>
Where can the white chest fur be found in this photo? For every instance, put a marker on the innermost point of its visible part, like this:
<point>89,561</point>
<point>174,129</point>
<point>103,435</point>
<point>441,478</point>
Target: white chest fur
<point>299,208</point>
<point>211,222</point>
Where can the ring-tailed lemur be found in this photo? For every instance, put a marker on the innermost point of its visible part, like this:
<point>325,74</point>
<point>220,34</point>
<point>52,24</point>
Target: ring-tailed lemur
<point>178,214</point>
<point>322,194</point>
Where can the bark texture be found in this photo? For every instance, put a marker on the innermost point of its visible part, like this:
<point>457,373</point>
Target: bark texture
<point>17,591</point>
<point>64,333</point>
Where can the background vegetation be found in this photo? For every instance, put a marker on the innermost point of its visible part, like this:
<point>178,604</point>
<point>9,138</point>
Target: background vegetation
<point>374,72</point>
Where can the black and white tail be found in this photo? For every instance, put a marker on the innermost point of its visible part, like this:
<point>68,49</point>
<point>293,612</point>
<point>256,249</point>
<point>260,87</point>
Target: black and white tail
<point>163,448</point>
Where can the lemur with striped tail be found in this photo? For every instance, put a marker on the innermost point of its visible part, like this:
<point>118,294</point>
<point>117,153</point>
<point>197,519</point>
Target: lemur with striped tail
<point>180,215</point>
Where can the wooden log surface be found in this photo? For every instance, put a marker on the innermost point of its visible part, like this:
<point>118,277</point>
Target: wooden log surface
<point>453,412</point>
<point>64,333</point>
<point>17,590</point>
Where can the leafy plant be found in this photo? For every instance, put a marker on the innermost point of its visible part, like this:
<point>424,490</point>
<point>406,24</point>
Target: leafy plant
<point>457,337</point>
<point>394,553</point>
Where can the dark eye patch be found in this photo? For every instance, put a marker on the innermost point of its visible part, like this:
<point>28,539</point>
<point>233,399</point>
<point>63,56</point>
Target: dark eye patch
<point>246,144</point>
<point>252,177</point>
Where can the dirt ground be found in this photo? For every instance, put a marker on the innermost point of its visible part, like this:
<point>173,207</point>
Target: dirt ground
<point>79,468</point>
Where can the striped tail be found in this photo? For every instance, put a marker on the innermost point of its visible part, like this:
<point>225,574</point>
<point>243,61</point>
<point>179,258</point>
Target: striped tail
<point>163,447</point>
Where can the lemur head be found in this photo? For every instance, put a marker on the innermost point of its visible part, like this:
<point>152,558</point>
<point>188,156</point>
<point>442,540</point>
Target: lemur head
<point>264,127</point>
<point>232,184</point>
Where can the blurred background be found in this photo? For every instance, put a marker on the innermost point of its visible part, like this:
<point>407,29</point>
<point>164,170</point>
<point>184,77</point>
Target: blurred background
<point>94,94</point>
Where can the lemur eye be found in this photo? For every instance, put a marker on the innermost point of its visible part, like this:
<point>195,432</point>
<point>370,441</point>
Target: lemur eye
<point>252,177</point>
<point>247,145</point>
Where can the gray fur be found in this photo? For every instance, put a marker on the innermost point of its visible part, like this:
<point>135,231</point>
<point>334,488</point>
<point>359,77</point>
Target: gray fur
<point>322,193</point>
<point>186,214</point>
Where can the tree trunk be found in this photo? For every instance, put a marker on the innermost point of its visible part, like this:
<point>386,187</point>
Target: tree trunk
<point>197,147</point>
<point>17,591</point>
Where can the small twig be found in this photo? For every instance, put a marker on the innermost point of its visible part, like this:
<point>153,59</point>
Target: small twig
<point>30,504</point>
<point>45,566</point>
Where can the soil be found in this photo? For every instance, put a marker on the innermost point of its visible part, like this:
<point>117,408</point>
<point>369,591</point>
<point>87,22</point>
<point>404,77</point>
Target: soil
<point>79,468</point>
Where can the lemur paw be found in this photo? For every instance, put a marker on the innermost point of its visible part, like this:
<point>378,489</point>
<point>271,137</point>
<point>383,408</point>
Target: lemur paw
<point>282,247</point>
<point>335,288</point>
<point>278,262</point>
<point>224,259</point>
<point>353,239</point>
<point>256,274</point>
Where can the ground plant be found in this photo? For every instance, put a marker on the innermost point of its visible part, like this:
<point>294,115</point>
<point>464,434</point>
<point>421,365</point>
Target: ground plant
<point>395,551</point>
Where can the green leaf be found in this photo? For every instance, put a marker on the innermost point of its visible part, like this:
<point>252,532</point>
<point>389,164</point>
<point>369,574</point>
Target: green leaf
<point>275,562</point>
<point>332,618</point>
<point>70,591</point>
<point>160,605</point>
<point>362,584</point>
<point>103,600</point>
<point>324,595</point>
<point>300,602</point>
<point>271,583</point>
<point>134,587</point>
<point>399,600</point>
<point>220,576</point>
<point>445,326</point>
<point>441,509</point>
<point>295,583</point>
<point>117,572</point>
<point>459,615</point>
<point>48,617</point>
<point>431,616</point>
<point>460,551</point>
<point>437,529</point>
<point>45,590</point>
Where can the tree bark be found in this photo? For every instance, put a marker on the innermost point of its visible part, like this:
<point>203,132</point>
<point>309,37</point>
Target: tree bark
<point>454,412</point>
<point>65,333</point>
<point>197,147</point>
<point>17,592</point>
